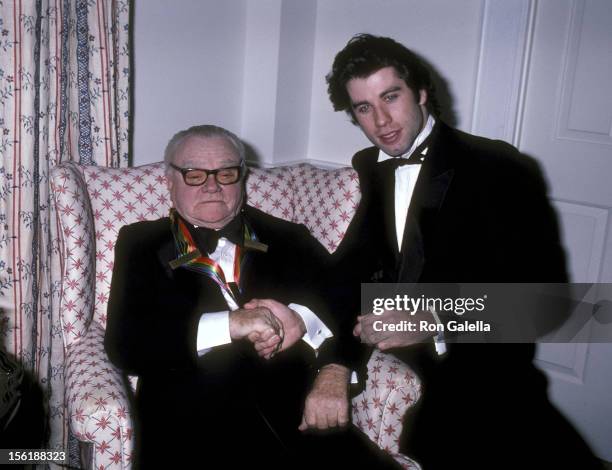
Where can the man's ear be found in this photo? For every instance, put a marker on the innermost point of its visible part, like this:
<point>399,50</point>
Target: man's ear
<point>423,97</point>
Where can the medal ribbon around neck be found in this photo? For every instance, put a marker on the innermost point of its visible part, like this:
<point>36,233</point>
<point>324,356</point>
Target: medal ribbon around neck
<point>191,258</point>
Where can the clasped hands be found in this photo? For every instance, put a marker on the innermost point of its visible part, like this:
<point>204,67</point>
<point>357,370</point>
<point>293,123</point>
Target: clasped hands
<point>271,326</point>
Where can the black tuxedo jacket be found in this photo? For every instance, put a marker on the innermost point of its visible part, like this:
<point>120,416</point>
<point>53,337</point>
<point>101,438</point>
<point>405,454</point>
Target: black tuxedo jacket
<point>154,311</point>
<point>479,213</point>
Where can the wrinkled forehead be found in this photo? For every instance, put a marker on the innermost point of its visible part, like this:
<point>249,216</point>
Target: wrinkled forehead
<point>206,152</point>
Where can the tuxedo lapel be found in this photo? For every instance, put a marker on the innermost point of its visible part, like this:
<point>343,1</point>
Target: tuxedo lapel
<point>411,261</point>
<point>166,253</point>
<point>434,180</point>
<point>387,183</point>
<point>426,202</point>
<point>250,275</point>
<point>257,265</point>
<point>197,287</point>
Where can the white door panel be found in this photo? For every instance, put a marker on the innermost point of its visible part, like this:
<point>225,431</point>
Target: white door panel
<point>567,121</point>
<point>567,125</point>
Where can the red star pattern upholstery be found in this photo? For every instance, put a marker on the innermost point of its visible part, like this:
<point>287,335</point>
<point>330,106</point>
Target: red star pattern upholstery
<point>93,203</point>
<point>391,388</point>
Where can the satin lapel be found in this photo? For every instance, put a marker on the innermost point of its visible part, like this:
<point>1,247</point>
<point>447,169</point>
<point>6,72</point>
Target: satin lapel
<point>420,219</point>
<point>434,180</point>
<point>412,259</point>
<point>386,181</point>
<point>255,263</point>
<point>250,280</point>
<point>193,285</point>
<point>166,253</point>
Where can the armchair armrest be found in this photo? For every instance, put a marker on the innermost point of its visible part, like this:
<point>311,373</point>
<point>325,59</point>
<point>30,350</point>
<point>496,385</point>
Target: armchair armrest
<point>97,404</point>
<point>391,388</point>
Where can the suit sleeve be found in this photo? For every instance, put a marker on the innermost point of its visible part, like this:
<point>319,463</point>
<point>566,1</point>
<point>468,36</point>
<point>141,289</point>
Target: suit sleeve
<point>146,331</point>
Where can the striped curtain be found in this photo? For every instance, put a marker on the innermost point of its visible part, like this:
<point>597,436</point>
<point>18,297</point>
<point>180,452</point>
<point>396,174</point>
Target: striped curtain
<point>64,95</point>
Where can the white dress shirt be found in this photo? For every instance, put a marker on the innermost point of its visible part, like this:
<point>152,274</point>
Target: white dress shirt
<point>405,180</point>
<point>213,328</point>
<point>406,177</point>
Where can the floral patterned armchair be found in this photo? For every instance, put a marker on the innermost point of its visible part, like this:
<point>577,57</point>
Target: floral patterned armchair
<point>93,203</point>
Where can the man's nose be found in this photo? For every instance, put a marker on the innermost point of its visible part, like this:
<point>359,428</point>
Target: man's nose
<point>211,185</point>
<point>381,116</point>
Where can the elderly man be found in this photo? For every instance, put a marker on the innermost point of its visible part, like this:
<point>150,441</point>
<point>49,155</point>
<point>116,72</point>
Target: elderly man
<point>213,308</point>
<point>442,206</point>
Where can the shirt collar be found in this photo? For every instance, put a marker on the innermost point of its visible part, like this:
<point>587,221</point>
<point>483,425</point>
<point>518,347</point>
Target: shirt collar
<point>382,156</point>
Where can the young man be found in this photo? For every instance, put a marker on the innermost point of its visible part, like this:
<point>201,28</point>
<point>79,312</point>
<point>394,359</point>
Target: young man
<point>439,205</point>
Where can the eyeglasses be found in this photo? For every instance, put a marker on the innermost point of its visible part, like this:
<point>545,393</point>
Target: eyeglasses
<point>198,176</point>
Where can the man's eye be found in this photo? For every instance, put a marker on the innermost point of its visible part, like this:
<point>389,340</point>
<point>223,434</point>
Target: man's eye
<point>363,109</point>
<point>195,175</point>
<point>391,97</point>
<point>225,173</point>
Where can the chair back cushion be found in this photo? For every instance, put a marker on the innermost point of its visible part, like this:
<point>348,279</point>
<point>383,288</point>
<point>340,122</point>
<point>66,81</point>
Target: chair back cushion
<point>323,200</point>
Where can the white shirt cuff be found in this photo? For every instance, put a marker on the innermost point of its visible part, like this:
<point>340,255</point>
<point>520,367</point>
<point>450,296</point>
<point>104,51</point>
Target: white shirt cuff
<point>213,330</point>
<point>316,330</point>
<point>439,342</point>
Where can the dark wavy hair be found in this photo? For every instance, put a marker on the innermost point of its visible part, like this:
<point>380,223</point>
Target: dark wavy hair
<point>365,54</point>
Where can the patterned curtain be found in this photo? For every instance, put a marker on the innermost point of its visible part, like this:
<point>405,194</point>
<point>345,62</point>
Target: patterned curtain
<point>64,95</point>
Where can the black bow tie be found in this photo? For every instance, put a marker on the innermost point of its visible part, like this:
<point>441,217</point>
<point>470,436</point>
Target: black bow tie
<point>396,162</point>
<point>416,158</point>
<point>207,238</point>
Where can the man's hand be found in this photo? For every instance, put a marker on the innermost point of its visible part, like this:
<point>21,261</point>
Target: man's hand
<point>292,323</point>
<point>257,324</point>
<point>327,404</point>
<point>384,339</point>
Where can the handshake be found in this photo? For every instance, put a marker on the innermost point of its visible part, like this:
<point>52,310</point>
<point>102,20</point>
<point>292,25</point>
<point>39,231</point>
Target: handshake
<point>271,326</point>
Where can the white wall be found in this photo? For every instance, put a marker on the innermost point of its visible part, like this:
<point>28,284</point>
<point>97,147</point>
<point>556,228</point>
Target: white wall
<point>188,61</point>
<point>258,68</point>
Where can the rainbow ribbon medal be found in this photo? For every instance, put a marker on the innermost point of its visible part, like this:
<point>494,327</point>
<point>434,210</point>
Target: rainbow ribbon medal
<point>191,258</point>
